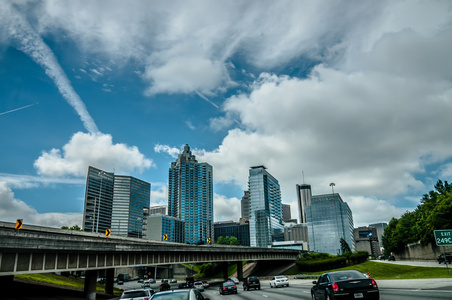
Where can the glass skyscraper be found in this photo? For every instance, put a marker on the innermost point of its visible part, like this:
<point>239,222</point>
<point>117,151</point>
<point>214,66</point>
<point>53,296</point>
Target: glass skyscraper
<point>190,196</point>
<point>115,202</point>
<point>266,224</point>
<point>329,219</point>
<point>130,197</point>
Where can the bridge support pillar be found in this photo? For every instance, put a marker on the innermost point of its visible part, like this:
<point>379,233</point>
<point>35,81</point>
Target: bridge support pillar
<point>109,280</point>
<point>90,284</point>
<point>239,270</point>
<point>224,267</point>
<point>6,283</point>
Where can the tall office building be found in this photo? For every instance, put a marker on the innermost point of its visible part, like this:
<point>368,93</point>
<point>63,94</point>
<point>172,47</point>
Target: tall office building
<point>287,216</point>
<point>245,205</point>
<point>329,219</point>
<point>304,200</point>
<point>161,227</point>
<point>190,196</point>
<point>240,230</point>
<point>115,202</point>
<point>130,197</point>
<point>158,209</point>
<point>266,224</point>
<point>98,200</point>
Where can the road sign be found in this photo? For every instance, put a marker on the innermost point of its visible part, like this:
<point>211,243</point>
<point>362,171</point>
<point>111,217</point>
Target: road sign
<point>19,223</point>
<point>165,237</point>
<point>443,237</point>
<point>208,240</point>
<point>107,232</point>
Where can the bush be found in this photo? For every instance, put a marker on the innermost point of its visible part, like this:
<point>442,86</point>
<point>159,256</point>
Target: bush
<point>322,264</point>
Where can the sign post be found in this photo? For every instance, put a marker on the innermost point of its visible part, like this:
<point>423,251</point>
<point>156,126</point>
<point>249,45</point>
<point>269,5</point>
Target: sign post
<point>443,238</point>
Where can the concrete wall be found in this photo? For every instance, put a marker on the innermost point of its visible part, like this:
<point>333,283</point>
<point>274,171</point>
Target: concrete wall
<point>416,251</point>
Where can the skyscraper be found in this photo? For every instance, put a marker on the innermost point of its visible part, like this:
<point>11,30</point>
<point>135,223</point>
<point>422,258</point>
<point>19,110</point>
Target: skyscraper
<point>304,199</point>
<point>286,212</point>
<point>130,197</point>
<point>266,225</point>
<point>329,219</point>
<point>115,202</point>
<point>98,200</point>
<point>190,196</point>
<point>245,205</point>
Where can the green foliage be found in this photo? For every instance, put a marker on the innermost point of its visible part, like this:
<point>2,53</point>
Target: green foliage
<point>433,213</point>
<point>228,240</point>
<point>75,227</point>
<point>344,246</point>
<point>312,262</point>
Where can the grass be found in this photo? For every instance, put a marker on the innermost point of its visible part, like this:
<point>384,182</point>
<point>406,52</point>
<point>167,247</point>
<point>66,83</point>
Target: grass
<point>58,280</point>
<point>392,271</point>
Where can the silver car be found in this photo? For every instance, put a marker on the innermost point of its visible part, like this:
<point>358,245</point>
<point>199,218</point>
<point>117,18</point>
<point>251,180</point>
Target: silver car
<point>278,281</point>
<point>137,294</point>
<point>199,286</point>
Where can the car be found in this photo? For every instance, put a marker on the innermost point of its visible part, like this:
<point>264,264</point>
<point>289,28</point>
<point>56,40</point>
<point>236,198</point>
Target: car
<point>350,284</point>
<point>141,280</point>
<point>198,285</point>
<point>252,282</point>
<point>235,280</point>
<point>164,280</point>
<point>278,281</point>
<point>445,257</point>
<point>391,257</point>
<point>190,294</point>
<point>205,284</point>
<point>136,278</point>
<point>146,285</point>
<point>165,286</point>
<point>120,282</point>
<point>173,281</point>
<point>381,257</point>
<point>151,280</point>
<point>228,287</point>
<point>184,285</point>
<point>137,294</point>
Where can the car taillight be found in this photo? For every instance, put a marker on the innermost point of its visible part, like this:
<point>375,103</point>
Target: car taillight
<point>335,287</point>
<point>146,298</point>
<point>374,284</point>
<point>224,288</point>
<point>235,286</point>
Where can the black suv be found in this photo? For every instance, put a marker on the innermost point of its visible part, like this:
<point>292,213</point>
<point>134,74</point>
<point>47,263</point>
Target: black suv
<point>252,282</point>
<point>443,258</point>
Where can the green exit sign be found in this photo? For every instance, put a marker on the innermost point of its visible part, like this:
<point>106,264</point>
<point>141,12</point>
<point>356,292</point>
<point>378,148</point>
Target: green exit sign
<point>443,237</point>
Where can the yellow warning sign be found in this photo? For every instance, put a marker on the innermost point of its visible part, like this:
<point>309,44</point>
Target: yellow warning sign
<point>107,232</point>
<point>19,223</point>
<point>208,240</point>
<point>165,237</point>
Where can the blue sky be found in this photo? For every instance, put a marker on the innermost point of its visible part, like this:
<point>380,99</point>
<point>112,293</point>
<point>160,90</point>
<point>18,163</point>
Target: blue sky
<point>355,93</point>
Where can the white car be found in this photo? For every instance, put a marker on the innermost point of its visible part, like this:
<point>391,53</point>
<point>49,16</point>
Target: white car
<point>199,286</point>
<point>278,281</point>
<point>137,294</point>
<point>235,280</point>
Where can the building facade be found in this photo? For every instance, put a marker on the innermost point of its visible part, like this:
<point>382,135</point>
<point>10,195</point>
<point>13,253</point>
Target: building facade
<point>240,230</point>
<point>245,205</point>
<point>304,200</point>
<point>98,200</point>
<point>115,202</point>
<point>158,209</point>
<point>266,224</point>
<point>380,227</point>
<point>190,196</point>
<point>286,214</point>
<point>160,227</point>
<point>329,219</point>
<point>366,239</point>
<point>130,197</point>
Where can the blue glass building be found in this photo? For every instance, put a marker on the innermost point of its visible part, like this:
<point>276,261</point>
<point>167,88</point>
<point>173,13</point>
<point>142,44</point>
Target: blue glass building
<point>190,196</point>
<point>329,219</point>
<point>266,221</point>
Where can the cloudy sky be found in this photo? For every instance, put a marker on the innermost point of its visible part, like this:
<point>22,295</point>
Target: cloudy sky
<point>358,93</point>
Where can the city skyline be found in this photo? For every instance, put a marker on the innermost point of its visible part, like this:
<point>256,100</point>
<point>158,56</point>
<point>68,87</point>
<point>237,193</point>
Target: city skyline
<point>352,93</point>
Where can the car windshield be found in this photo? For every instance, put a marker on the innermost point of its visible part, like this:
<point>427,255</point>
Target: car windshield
<point>133,294</point>
<point>172,296</point>
<point>346,275</point>
<point>229,283</point>
<point>280,277</point>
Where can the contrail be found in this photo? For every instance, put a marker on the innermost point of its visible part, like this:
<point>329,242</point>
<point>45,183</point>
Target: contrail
<point>13,110</point>
<point>24,38</point>
<point>207,99</point>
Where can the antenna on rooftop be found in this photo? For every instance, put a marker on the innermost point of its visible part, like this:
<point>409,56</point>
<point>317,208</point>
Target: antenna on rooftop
<point>302,172</point>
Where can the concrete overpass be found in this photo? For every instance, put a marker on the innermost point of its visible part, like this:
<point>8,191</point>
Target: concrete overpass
<point>35,249</point>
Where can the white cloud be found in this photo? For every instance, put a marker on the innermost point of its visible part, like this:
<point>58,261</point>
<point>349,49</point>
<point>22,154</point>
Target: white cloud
<point>26,181</point>
<point>96,150</point>
<point>159,194</point>
<point>12,209</point>
<point>174,152</point>
<point>226,209</point>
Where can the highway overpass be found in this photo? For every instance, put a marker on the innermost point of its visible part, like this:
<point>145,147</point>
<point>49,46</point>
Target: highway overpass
<point>35,249</point>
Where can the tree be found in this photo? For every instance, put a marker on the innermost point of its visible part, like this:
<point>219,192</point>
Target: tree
<point>75,227</point>
<point>344,246</point>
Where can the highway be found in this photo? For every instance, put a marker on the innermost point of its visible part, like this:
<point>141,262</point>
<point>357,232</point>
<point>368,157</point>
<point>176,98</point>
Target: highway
<point>301,289</point>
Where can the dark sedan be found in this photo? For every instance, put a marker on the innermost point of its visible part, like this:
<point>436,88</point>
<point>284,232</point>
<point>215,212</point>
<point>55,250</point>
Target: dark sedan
<point>228,287</point>
<point>344,285</point>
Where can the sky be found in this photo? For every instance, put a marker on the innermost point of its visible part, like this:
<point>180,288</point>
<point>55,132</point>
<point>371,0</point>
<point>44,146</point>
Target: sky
<point>355,93</point>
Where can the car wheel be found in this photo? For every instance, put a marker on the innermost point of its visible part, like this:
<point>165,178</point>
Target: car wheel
<point>287,285</point>
<point>271,286</point>
<point>313,296</point>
